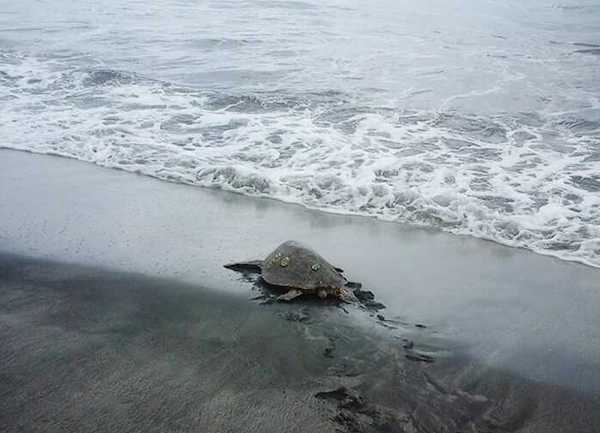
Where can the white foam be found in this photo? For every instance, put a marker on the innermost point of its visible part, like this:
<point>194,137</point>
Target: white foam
<point>502,178</point>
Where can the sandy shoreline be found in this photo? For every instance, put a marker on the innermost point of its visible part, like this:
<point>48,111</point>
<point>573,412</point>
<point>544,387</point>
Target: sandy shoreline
<point>87,349</point>
<point>171,342</point>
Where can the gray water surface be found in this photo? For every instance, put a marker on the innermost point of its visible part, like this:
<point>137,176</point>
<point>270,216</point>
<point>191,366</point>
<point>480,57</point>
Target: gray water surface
<point>478,118</point>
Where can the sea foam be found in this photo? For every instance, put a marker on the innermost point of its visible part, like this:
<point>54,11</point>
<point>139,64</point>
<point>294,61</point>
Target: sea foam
<point>528,179</point>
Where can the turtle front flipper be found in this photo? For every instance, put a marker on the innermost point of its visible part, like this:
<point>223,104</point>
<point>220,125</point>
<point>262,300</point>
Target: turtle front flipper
<point>250,266</point>
<point>353,284</point>
<point>289,295</point>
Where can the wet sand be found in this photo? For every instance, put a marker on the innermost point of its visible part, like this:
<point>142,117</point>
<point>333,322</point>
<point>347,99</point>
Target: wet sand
<point>117,315</point>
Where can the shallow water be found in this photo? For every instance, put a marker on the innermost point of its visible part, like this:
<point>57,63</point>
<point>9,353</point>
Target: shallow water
<point>479,118</point>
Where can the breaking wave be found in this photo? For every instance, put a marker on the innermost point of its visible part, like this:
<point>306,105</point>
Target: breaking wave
<point>529,179</point>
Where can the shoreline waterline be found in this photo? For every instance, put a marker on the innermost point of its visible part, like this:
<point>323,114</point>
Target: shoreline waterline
<point>333,211</point>
<point>500,302</point>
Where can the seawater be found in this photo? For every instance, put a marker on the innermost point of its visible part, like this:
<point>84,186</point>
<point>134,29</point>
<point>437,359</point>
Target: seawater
<point>476,117</point>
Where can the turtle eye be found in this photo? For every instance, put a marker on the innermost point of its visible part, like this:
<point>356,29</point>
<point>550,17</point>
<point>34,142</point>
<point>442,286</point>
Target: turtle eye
<point>284,262</point>
<point>316,267</point>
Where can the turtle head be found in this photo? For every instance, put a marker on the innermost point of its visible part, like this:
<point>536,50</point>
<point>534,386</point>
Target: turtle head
<point>345,294</point>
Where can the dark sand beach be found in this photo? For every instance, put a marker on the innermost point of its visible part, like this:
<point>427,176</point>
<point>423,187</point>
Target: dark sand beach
<point>116,314</point>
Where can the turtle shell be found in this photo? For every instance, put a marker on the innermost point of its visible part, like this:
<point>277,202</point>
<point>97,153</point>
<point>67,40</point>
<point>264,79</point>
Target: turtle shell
<point>294,265</point>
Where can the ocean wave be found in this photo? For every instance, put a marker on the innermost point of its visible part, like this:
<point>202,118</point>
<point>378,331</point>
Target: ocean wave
<point>521,179</point>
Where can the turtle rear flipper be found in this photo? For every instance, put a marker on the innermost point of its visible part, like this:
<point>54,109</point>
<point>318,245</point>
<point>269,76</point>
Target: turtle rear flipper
<point>250,266</point>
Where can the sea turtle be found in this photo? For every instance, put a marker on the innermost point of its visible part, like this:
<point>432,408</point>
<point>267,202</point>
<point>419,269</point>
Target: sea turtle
<point>300,270</point>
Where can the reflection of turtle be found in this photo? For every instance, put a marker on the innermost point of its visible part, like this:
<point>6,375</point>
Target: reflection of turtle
<point>300,270</point>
